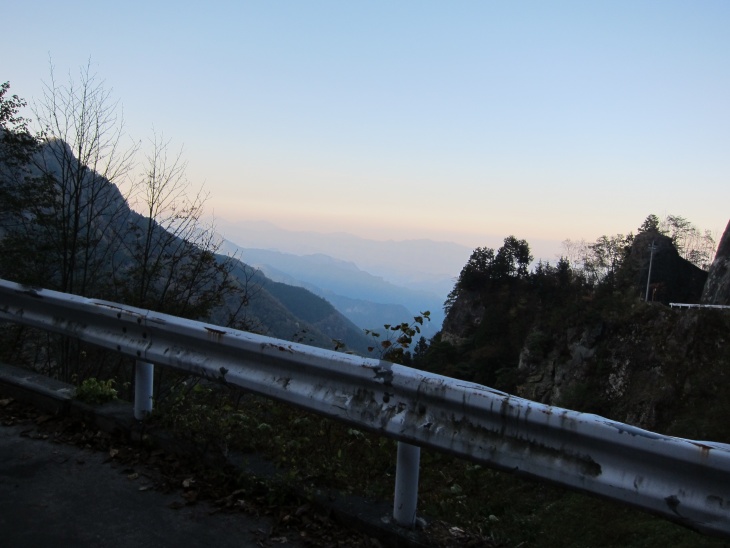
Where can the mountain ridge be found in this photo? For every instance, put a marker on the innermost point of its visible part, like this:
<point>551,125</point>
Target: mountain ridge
<point>422,264</point>
<point>367,300</point>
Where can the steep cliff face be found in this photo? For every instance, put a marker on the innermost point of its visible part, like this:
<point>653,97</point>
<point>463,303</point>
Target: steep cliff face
<point>717,288</point>
<point>464,317</point>
<point>657,368</point>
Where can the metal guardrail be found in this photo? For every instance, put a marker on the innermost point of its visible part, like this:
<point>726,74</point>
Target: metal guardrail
<point>683,480</point>
<point>686,305</point>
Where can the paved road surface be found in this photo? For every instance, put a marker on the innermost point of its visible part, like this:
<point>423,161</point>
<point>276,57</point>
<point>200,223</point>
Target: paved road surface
<point>59,495</point>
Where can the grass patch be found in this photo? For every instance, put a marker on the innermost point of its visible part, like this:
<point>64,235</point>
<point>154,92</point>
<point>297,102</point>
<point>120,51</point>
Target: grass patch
<point>94,391</point>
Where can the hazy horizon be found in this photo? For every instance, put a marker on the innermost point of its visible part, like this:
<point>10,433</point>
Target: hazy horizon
<point>547,250</point>
<point>541,249</point>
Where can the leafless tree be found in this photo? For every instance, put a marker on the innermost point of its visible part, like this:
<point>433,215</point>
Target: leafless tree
<point>82,161</point>
<point>698,247</point>
<point>171,261</point>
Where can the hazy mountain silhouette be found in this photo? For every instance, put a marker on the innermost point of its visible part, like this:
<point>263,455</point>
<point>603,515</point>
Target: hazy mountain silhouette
<point>368,301</point>
<point>423,264</point>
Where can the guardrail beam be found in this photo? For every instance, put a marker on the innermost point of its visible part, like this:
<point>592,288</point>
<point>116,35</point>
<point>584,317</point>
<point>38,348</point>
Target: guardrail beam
<point>685,481</point>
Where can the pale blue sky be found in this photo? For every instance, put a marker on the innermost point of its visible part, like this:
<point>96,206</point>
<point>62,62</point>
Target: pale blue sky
<point>463,121</point>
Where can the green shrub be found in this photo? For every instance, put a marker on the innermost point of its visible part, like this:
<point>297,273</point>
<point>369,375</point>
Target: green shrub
<point>93,391</point>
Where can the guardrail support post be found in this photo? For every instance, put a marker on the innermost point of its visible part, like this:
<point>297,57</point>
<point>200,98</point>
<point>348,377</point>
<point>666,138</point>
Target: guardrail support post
<point>406,484</point>
<point>143,376</point>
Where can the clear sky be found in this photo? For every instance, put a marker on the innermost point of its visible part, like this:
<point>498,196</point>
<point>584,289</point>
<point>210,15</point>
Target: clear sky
<point>464,121</point>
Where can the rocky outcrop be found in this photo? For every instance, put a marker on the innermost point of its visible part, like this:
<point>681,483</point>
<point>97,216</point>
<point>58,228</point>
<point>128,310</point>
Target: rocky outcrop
<point>465,315</point>
<point>550,366</point>
<point>673,279</point>
<point>717,288</point>
<point>657,368</point>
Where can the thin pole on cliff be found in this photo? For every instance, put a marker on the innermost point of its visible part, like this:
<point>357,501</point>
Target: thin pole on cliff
<point>652,247</point>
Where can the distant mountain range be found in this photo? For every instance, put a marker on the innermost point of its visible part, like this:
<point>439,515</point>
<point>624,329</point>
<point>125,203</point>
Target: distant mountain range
<point>370,282</point>
<point>366,300</point>
<point>425,265</point>
<point>296,314</point>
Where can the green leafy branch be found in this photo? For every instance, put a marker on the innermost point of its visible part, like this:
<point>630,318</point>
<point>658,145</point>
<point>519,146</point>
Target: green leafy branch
<point>396,339</point>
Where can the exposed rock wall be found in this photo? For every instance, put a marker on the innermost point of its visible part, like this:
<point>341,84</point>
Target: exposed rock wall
<point>673,279</point>
<point>662,369</point>
<point>465,315</point>
<point>717,288</point>
<point>548,372</point>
